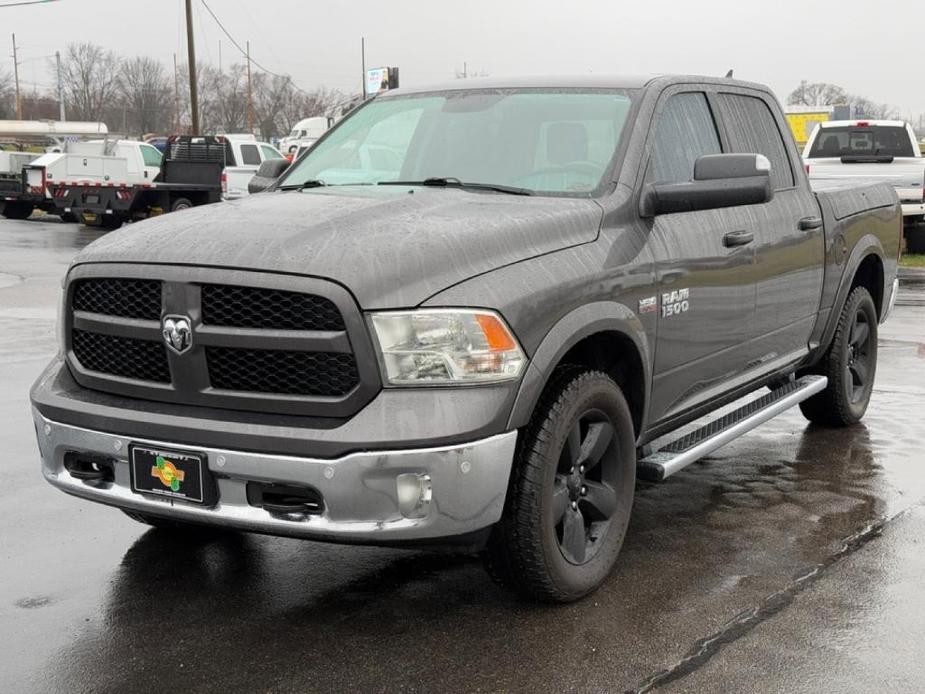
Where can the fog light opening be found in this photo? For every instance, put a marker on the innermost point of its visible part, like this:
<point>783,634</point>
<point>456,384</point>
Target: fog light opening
<point>414,494</point>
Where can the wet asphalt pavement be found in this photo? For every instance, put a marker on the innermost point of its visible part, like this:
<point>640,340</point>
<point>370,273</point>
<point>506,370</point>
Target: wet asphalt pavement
<point>789,561</point>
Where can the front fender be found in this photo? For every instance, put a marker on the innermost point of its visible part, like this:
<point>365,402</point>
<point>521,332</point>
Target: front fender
<point>582,322</point>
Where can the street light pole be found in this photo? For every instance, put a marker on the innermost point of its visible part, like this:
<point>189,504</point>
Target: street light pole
<point>60,87</point>
<point>250,93</point>
<point>193,88</point>
<point>16,74</point>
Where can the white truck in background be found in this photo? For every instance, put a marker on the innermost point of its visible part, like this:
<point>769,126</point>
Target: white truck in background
<point>114,162</point>
<point>243,156</point>
<point>884,151</point>
<point>306,131</point>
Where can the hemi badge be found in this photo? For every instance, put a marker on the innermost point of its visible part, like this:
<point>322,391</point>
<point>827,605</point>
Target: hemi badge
<point>648,305</point>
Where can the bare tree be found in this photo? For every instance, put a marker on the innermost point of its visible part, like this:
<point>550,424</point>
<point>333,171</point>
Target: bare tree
<point>7,95</point>
<point>816,94</point>
<point>146,95</point>
<point>91,80</point>
<point>862,107</point>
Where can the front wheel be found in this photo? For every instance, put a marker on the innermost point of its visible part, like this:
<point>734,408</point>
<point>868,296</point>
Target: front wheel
<point>571,490</point>
<point>17,210</point>
<point>850,365</point>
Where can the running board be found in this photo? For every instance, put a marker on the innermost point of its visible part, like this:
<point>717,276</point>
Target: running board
<point>689,448</point>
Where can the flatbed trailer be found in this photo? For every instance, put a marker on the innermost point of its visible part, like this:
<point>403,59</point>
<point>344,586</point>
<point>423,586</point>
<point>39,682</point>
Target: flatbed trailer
<point>190,176</point>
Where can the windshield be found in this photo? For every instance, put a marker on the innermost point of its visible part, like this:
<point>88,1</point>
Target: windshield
<point>876,140</point>
<point>544,141</point>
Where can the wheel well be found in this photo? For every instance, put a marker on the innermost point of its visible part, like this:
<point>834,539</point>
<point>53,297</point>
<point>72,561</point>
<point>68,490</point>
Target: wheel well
<point>616,355</point>
<point>870,276</point>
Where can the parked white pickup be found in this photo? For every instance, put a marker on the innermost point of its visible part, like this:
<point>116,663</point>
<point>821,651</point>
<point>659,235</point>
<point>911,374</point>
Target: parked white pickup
<point>243,157</point>
<point>117,163</point>
<point>885,151</point>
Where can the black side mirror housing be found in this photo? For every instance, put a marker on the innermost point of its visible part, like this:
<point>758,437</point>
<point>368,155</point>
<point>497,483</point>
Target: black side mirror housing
<point>720,180</point>
<point>266,175</point>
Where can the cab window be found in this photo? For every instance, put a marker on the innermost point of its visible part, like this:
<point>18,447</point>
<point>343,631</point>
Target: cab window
<point>685,130</point>
<point>270,153</point>
<point>151,156</point>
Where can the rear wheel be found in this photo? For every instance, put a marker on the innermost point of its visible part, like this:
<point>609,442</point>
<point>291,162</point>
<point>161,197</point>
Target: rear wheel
<point>17,210</point>
<point>915,238</point>
<point>571,491</point>
<point>180,204</point>
<point>850,365</point>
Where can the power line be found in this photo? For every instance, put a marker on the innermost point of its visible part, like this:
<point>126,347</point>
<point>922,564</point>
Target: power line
<point>26,2</point>
<point>246,54</point>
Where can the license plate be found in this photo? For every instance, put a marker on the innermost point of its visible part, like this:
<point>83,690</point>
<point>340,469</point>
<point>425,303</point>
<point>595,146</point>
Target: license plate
<point>92,199</point>
<point>182,476</point>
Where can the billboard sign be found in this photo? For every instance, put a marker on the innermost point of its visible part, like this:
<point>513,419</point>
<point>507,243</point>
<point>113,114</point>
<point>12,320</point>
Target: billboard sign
<point>377,80</point>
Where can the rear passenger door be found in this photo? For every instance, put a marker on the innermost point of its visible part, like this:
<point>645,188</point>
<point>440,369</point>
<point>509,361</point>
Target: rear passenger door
<point>789,244</point>
<point>706,288</point>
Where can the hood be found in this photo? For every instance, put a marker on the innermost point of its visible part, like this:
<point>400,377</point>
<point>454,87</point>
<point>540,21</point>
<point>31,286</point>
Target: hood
<point>391,246</point>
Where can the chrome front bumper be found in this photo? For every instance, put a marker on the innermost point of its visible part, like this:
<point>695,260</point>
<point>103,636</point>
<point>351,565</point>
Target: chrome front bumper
<point>462,487</point>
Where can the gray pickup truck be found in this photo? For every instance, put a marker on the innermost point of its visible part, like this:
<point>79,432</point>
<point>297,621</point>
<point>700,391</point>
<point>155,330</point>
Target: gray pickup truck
<point>470,316</point>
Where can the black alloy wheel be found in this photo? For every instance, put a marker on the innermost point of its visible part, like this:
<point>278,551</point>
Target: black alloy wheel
<point>583,498</point>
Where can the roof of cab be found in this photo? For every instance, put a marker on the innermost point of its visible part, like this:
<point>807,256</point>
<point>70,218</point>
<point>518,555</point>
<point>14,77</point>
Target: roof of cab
<point>569,82</point>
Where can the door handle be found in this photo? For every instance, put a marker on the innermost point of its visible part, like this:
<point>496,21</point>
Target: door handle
<point>809,223</point>
<point>737,238</point>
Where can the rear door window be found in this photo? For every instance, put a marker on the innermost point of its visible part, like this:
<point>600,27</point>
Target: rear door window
<point>753,130</point>
<point>870,140</point>
<point>250,155</point>
<point>684,131</point>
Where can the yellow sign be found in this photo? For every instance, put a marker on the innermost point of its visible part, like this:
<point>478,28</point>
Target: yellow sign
<point>802,124</point>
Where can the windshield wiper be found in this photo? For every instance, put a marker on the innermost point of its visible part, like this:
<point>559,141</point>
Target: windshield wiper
<point>453,182</point>
<point>310,183</point>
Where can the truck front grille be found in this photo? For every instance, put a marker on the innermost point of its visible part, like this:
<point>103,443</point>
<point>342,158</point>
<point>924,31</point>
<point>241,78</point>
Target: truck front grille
<point>260,342</point>
<point>258,307</point>
<point>323,374</point>
<point>126,298</point>
<point>121,356</point>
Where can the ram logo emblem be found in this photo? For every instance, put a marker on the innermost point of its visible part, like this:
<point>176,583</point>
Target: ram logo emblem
<point>178,333</point>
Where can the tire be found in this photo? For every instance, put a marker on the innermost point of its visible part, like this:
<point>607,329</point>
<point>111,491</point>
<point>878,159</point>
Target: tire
<point>180,204</point>
<point>110,222</point>
<point>850,364</point>
<point>915,239</point>
<point>564,523</point>
<point>17,210</point>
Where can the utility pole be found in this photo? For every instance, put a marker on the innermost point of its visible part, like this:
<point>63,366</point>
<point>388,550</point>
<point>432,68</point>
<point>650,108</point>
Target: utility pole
<point>16,73</point>
<point>60,87</point>
<point>176,94</point>
<point>193,89</point>
<point>363,61</point>
<point>250,93</point>
<point>220,56</point>
<point>465,70</point>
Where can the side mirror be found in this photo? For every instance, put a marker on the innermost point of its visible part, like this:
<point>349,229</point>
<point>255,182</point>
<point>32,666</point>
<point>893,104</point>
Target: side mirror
<point>266,175</point>
<point>720,180</point>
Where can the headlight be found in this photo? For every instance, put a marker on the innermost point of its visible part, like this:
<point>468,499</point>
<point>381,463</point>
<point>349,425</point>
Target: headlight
<point>446,346</point>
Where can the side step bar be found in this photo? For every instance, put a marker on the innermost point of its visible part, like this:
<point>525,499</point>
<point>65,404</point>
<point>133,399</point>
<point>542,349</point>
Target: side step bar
<point>689,448</point>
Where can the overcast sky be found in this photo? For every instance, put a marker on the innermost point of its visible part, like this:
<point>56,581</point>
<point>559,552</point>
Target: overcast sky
<point>873,49</point>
